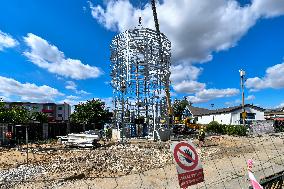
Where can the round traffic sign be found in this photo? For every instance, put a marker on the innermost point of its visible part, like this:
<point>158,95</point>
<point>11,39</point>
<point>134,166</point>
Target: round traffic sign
<point>180,151</point>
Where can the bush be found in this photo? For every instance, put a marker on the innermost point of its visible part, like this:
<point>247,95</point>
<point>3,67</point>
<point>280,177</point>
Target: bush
<point>215,127</point>
<point>241,130</point>
<point>278,127</point>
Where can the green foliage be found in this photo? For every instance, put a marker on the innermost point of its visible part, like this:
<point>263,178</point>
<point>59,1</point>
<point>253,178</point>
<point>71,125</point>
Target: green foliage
<point>179,107</point>
<point>39,116</point>
<point>91,112</point>
<point>20,115</point>
<point>278,128</point>
<point>16,115</point>
<point>215,127</point>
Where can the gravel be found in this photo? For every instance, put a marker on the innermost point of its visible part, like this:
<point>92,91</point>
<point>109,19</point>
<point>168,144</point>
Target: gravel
<point>9,177</point>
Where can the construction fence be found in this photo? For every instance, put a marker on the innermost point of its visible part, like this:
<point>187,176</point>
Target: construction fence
<point>38,131</point>
<point>124,166</point>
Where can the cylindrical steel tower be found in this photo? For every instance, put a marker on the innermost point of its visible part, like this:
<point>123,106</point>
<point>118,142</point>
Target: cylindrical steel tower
<point>140,70</point>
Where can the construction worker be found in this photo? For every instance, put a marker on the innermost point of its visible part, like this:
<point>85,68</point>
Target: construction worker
<point>201,136</point>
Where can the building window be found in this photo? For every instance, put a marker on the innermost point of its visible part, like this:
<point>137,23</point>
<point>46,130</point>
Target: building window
<point>250,115</point>
<point>48,108</point>
<point>60,108</point>
<point>59,115</point>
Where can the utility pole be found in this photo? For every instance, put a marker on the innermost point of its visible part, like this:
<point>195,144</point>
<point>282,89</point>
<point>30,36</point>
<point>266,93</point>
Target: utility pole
<point>242,75</point>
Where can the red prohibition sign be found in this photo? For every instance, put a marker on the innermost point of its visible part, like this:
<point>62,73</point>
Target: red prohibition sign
<point>178,149</point>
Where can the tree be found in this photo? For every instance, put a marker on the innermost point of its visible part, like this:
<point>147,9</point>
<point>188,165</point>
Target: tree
<point>91,112</point>
<point>6,116</point>
<point>16,114</point>
<point>179,107</point>
<point>39,116</point>
<point>20,115</point>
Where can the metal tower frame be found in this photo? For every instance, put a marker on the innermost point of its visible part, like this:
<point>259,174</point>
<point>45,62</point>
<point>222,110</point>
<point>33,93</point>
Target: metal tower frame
<point>140,62</point>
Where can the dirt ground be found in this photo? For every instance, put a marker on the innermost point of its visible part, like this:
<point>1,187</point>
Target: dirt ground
<point>145,164</point>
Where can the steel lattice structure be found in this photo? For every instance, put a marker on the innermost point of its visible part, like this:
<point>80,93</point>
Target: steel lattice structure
<point>140,63</point>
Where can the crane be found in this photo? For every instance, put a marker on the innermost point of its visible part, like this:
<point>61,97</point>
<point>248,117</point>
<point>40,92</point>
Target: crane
<point>167,84</point>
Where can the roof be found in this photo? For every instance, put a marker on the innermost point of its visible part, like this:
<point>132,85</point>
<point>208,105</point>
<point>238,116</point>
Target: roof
<point>277,110</point>
<point>203,111</point>
<point>34,103</point>
<point>195,111</point>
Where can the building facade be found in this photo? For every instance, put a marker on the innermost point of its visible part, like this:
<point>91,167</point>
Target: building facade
<point>275,114</point>
<point>54,112</point>
<point>228,116</point>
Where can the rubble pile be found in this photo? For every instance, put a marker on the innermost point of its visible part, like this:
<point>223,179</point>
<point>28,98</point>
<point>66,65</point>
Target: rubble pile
<point>21,173</point>
<point>60,165</point>
<point>113,161</point>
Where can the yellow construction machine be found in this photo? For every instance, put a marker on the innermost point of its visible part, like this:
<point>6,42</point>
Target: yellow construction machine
<point>191,125</point>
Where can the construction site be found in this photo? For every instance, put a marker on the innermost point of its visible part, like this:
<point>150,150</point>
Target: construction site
<point>141,164</point>
<point>137,154</point>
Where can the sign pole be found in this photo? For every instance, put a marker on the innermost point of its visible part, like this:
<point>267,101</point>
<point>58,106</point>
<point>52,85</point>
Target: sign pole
<point>27,142</point>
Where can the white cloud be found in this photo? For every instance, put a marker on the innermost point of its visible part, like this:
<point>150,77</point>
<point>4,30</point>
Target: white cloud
<point>250,97</point>
<point>82,92</point>
<point>49,57</point>
<point>5,99</point>
<point>281,105</point>
<point>72,101</point>
<point>75,100</point>
<point>71,85</point>
<point>274,78</point>
<point>209,94</point>
<point>7,41</point>
<point>183,72</point>
<point>27,91</point>
<point>196,28</point>
<point>189,87</point>
<point>239,101</point>
<point>108,102</point>
<point>72,97</point>
<point>268,8</point>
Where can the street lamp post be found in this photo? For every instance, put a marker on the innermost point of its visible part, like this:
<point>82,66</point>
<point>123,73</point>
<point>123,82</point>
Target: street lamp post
<point>242,75</point>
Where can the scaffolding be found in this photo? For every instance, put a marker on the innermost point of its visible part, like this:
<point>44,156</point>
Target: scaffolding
<point>140,62</point>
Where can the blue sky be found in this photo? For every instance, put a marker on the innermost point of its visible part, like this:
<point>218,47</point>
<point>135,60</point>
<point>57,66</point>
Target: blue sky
<point>58,51</point>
